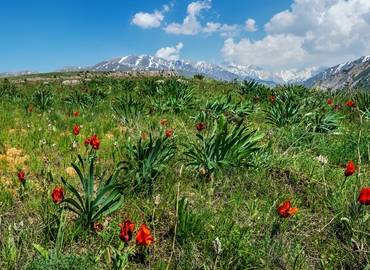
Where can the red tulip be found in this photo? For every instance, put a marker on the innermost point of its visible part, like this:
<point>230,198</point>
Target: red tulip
<point>76,114</point>
<point>57,195</point>
<point>95,142</point>
<point>21,176</point>
<point>163,122</point>
<point>350,103</point>
<point>286,210</point>
<point>273,99</point>
<point>364,197</point>
<point>350,168</point>
<point>200,126</point>
<point>87,141</point>
<point>329,101</point>
<point>76,130</point>
<point>127,229</point>
<point>169,133</point>
<point>143,236</point>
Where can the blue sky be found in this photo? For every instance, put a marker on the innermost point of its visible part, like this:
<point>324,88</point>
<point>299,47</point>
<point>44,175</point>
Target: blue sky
<point>45,35</point>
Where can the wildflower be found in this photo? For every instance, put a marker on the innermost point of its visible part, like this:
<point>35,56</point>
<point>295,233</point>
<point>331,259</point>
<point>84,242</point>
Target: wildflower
<point>286,210</point>
<point>95,142</point>
<point>87,141</point>
<point>350,104</point>
<point>76,129</point>
<point>21,176</point>
<point>364,197</point>
<point>322,159</point>
<point>97,227</point>
<point>329,102</point>
<point>272,99</point>
<point>350,168</point>
<point>200,126</point>
<point>127,229</point>
<point>163,122</point>
<point>169,133</point>
<point>217,246</point>
<point>144,237</point>
<point>57,195</point>
<point>76,114</point>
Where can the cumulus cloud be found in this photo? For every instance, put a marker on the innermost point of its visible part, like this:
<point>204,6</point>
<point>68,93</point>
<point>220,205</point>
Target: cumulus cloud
<point>150,20</point>
<point>311,32</point>
<point>250,25</point>
<point>191,24</point>
<point>170,53</point>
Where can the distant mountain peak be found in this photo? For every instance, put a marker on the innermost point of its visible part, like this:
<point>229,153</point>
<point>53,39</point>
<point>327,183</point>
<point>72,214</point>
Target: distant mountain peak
<point>352,74</point>
<point>225,72</point>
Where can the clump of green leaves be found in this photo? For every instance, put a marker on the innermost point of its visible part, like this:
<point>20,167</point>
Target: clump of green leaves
<point>173,95</point>
<point>91,205</point>
<point>43,99</point>
<point>127,108</point>
<point>283,113</point>
<point>227,146</point>
<point>190,225</point>
<point>147,158</point>
<point>322,122</point>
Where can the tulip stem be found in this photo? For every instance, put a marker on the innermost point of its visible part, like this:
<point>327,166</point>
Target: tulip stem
<point>176,218</point>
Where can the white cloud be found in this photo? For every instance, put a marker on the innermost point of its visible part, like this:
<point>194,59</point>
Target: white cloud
<point>170,53</point>
<point>311,32</point>
<point>250,25</point>
<point>150,20</point>
<point>191,24</point>
<point>268,52</point>
<point>211,27</point>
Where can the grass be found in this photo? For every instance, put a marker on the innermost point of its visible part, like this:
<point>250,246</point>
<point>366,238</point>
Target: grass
<point>215,211</point>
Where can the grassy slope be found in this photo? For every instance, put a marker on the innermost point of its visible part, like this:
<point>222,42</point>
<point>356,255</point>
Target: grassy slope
<point>239,206</point>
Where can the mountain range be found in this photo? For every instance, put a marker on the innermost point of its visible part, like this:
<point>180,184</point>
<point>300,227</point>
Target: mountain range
<point>225,72</point>
<point>353,74</point>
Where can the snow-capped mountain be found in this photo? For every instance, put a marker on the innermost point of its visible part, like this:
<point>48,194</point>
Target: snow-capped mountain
<point>225,72</point>
<point>279,77</point>
<point>353,74</point>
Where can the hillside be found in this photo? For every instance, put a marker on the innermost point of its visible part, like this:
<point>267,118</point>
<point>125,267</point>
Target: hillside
<point>175,173</point>
<point>352,75</point>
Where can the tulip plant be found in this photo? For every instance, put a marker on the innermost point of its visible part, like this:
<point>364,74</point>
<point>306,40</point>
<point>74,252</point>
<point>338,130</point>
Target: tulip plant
<point>89,204</point>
